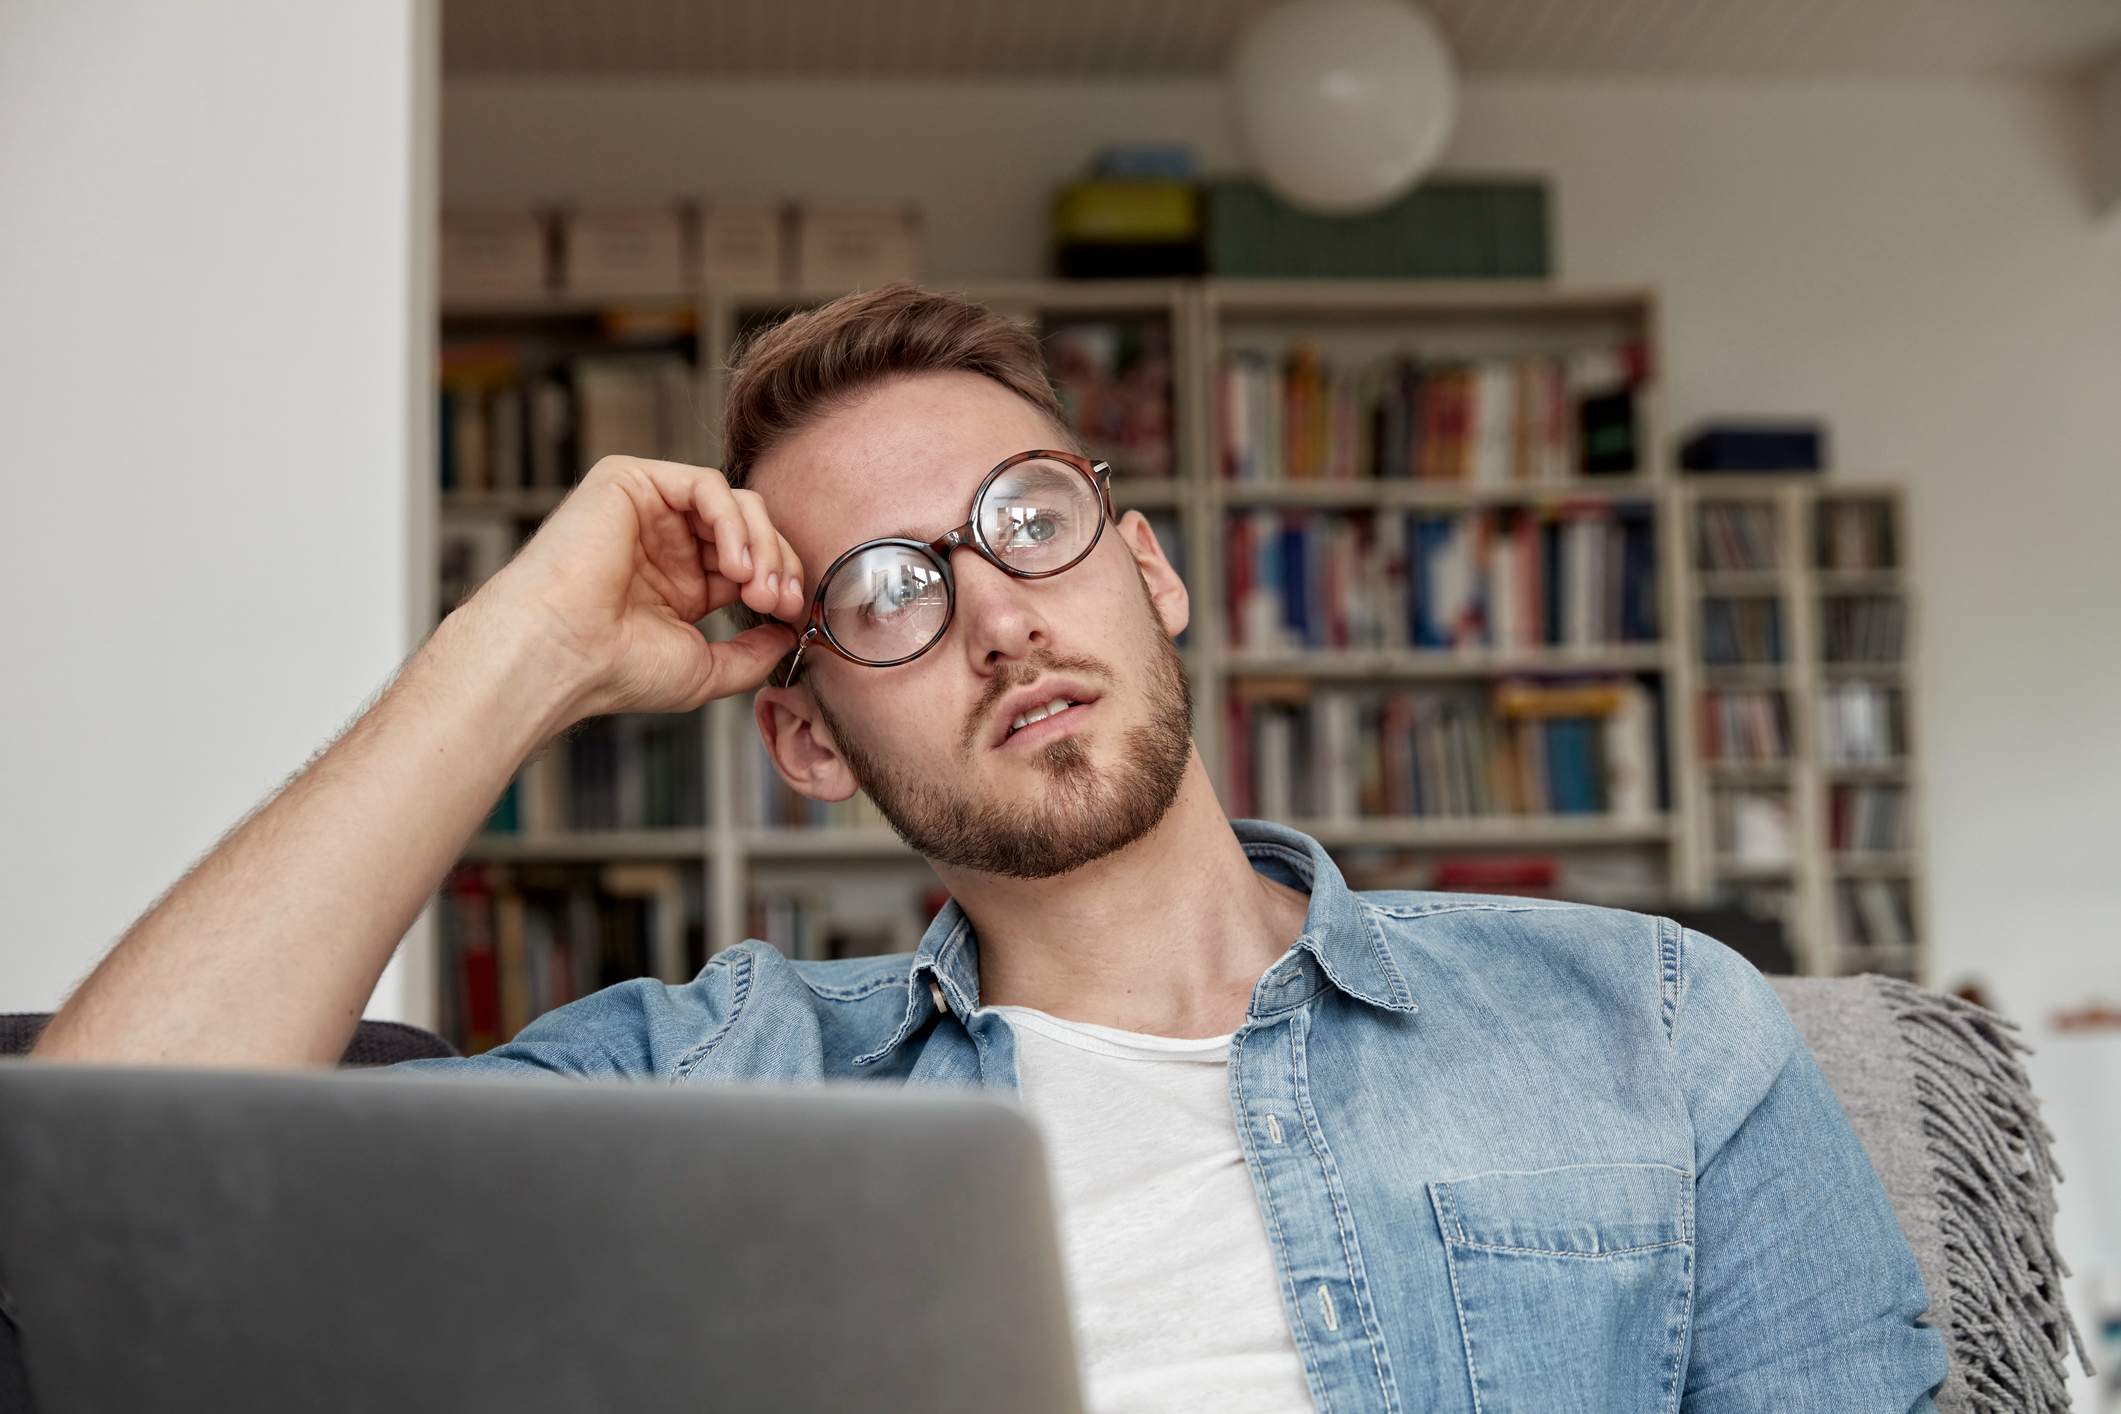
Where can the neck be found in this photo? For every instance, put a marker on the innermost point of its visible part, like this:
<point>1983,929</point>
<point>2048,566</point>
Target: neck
<point>1166,936</point>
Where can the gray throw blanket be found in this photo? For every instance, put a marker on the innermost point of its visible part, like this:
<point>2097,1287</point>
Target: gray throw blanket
<point>1934,1088</point>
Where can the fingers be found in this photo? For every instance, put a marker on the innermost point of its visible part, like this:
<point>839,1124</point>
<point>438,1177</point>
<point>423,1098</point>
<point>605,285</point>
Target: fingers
<point>775,587</point>
<point>740,542</point>
<point>743,663</point>
<point>792,572</point>
<point>726,530</point>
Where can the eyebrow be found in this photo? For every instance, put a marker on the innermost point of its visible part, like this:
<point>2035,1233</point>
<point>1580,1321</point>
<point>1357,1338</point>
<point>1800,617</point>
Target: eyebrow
<point>910,535</point>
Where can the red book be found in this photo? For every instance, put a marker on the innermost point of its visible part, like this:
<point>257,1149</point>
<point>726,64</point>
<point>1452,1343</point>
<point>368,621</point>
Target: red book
<point>1498,874</point>
<point>478,971</point>
<point>1237,576</point>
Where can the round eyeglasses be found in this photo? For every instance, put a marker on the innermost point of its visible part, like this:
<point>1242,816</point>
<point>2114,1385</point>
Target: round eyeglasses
<point>888,601</point>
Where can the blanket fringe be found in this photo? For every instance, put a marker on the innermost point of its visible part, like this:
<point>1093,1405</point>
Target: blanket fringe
<point>2011,1333</point>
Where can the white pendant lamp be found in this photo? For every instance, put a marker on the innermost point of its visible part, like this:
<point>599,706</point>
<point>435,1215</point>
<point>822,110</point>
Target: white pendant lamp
<point>1342,105</point>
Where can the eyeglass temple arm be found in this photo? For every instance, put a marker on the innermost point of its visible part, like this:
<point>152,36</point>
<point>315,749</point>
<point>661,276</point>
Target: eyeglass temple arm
<point>795,661</point>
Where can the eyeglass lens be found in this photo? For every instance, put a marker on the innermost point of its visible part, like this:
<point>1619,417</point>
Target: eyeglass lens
<point>890,601</point>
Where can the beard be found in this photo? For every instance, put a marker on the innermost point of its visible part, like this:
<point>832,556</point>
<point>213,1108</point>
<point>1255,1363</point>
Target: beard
<point>1077,814</point>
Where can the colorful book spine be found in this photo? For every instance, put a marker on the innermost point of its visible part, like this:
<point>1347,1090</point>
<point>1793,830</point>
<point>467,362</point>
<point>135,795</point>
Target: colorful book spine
<point>1495,579</point>
<point>1294,414</point>
<point>1522,749</point>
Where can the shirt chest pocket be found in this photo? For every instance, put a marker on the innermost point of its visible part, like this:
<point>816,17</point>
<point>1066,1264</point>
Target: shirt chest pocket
<point>1573,1285</point>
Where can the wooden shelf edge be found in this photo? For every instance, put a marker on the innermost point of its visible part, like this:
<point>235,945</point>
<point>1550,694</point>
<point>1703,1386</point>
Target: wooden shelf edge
<point>1494,831</point>
<point>1440,663</point>
<point>1336,492</point>
<point>676,842</point>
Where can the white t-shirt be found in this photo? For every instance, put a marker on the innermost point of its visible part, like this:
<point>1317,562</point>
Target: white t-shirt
<point>1175,1296</point>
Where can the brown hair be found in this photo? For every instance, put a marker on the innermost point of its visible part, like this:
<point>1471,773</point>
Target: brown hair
<point>787,375</point>
<point>793,372</point>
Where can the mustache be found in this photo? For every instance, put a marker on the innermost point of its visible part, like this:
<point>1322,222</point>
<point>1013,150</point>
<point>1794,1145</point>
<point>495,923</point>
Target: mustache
<point>1005,682</point>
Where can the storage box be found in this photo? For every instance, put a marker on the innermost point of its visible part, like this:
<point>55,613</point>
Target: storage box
<point>743,247</point>
<point>848,247</point>
<point>495,253</point>
<point>634,250</point>
<point>1446,229</point>
<point>1119,229</point>
<point>1754,447</point>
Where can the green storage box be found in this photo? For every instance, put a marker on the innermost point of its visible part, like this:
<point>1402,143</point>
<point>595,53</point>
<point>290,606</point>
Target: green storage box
<point>1447,229</point>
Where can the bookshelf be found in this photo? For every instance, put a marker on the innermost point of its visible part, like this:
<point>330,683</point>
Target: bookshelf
<point>1806,800</point>
<point>1495,700</point>
<point>1319,351</point>
<point>593,866</point>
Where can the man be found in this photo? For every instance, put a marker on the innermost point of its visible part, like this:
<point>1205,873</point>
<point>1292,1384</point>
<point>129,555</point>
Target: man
<point>1312,1147</point>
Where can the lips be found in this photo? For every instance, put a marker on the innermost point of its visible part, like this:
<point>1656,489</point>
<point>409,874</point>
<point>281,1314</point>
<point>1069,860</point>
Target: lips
<point>1037,701</point>
<point>1056,724</point>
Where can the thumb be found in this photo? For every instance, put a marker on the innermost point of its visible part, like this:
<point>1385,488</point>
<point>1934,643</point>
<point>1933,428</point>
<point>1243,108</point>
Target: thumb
<point>742,663</point>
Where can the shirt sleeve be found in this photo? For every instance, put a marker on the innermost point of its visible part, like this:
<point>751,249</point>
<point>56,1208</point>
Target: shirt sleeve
<point>642,1029</point>
<point>1807,1296</point>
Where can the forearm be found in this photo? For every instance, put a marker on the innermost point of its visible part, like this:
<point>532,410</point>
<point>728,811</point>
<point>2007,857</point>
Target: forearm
<point>266,952</point>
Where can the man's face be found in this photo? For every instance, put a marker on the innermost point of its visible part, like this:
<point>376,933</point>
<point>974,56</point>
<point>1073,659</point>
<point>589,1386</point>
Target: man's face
<point>930,740</point>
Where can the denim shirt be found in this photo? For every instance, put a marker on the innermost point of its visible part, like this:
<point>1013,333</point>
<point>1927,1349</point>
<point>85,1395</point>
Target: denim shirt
<point>1512,1154</point>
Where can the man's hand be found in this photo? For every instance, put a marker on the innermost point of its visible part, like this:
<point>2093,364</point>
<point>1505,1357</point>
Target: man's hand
<point>625,568</point>
<point>267,951</point>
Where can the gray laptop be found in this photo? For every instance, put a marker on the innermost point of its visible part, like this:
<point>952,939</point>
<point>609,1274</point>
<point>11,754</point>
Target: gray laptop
<point>388,1241</point>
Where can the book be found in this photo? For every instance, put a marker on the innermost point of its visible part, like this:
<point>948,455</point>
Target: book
<point>1855,535</point>
<point>1114,380</point>
<point>1738,535</point>
<point>661,889</point>
<point>1744,725</point>
<point>1863,628</point>
<point>1578,577</point>
<point>1860,723</point>
<point>1293,413</point>
<point>1741,630</point>
<point>1297,751</point>
<point>525,415</point>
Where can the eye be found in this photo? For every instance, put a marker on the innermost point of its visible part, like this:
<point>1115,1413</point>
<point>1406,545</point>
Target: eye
<point>1029,525</point>
<point>895,590</point>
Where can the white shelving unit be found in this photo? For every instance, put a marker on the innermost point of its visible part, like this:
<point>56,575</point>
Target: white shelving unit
<point>1810,877</point>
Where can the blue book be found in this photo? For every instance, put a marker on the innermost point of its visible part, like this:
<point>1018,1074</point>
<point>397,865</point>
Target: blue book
<point>1317,612</point>
<point>1266,552</point>
<point>1431,537</point>
<point>1295,597</point>
<point>503,818</point>
<point>1638,595</point>
<point>1413,587</point>
<point>1570,764</point>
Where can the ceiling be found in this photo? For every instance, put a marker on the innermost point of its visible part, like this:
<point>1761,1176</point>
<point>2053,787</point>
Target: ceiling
<point>1139,38</point>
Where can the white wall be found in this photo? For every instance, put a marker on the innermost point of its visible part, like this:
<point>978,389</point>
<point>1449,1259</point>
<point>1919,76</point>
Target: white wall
<point>215,225</point>
<point>1914,263</point>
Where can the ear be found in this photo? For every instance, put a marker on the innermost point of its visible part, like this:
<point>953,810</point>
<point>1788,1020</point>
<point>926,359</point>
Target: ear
<point>800,744</point>
<point>1166,590</point>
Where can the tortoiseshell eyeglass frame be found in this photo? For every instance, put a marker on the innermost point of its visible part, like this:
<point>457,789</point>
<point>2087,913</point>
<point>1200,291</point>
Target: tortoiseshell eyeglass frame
<point>938,550</point>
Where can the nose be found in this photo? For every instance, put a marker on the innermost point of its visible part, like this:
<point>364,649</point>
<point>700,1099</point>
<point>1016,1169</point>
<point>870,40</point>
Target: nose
<point>998,614</point>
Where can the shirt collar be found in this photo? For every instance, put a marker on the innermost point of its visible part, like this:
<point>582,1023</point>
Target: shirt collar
<point>1342,937</point>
